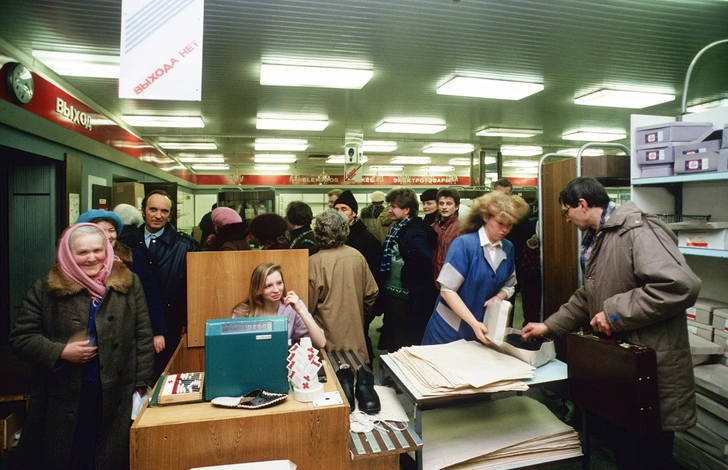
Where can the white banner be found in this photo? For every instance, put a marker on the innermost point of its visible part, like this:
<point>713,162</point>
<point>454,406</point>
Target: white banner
<point>161,49</point>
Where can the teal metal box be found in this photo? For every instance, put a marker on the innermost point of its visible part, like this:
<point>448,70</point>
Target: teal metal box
<point>244,354</point>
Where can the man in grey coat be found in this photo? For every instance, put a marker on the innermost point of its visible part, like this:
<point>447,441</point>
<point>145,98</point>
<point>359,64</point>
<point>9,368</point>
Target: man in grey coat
<point>637,286</point>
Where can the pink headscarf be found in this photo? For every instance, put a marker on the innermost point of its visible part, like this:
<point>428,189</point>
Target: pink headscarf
<point>96,285</point>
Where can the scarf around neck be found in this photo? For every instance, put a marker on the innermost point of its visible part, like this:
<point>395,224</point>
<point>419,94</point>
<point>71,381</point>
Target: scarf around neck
<point>388,246</point>
<point>590,236</point>
<point>95,285</point>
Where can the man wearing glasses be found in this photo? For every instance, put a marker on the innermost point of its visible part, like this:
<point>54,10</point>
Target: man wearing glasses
<point>637,286</point>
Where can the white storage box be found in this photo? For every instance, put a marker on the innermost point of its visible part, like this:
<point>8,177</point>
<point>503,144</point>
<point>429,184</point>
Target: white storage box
<point>696,163</point>
<point>702,311</point>
<point>655,171</point>
<point>723,160</point>
<point>709,235</point>
<point>704,331</point>
<point>656,154</point>
<point>672,132</point>
<point>720,319</point>
<point>720,337</point>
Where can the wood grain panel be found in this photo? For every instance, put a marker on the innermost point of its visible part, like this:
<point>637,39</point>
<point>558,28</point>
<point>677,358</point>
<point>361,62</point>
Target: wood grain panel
<point>216,281</point>
<point>560,276</point>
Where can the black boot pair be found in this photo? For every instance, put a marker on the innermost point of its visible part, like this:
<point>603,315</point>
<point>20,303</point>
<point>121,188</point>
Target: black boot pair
<point>364,391</point>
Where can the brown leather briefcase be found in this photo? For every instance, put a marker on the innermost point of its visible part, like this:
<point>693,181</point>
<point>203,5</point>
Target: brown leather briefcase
<point>616,381</point>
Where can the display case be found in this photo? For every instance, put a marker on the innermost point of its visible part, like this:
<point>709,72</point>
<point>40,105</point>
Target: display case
<point>248,202</point>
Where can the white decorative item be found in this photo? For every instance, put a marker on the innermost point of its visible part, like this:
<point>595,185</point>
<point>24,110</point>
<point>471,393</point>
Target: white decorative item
<point>303,366</point>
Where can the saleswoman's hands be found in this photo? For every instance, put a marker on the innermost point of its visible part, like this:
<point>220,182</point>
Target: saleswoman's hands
<point>79,352</point>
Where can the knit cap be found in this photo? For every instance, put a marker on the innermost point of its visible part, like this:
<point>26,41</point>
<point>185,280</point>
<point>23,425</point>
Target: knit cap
<point>378,196</point>
<point>94,214</point>
<point>346,197</point>
<point>429,195</point>
<point>223,216</point>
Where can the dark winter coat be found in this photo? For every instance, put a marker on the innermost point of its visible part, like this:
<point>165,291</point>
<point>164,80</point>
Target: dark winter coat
<point>167,259</point>
<point>417,241</point>
<point>54,312</point>
<point>231,238</point>
<point>368,245</point>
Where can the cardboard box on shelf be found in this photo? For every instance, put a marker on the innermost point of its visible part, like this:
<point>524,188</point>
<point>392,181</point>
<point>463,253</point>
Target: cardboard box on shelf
<point>128,193</point>
<point>720,319</point>
<point>709,235</point>
<point>702,311</point>
<point>704,331</point>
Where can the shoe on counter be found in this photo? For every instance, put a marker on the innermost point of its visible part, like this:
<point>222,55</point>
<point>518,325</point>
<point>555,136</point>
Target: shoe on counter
<point>346,379</point>
<point>366,396</point>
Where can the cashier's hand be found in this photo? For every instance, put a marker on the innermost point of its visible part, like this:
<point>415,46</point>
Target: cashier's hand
<point>159,343</point>
<point>600,324</point>
<point>79,352</point>
<point>293,300</point>
<point>534,330</point>
<point>480,331</point>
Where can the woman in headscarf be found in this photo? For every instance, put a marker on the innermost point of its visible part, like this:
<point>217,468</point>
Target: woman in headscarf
<point>85,330</point>
<point>112,224</point>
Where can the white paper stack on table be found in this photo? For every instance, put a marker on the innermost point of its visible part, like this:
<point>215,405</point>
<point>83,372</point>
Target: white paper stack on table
<point>461,367</point>
<point>506,433</point>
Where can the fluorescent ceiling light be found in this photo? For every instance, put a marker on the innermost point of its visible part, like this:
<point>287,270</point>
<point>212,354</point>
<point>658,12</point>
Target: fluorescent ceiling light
<point>272,167</point>
<point>130,145</point>
<point>276,145</point>
<point>102,121</point>
<point>520,151</point>
<point>379,146</point>
<point>589,152</point>
<point>202,159</point>
<point>410,160</point>
<point>386,168</point>
<point>339,159</point>
<point>291,124</point>
<point>508,132</point>
<point>327,77</point>
<point>623,99</point>
<point>156,159</point>
<point>707,105</point>
<point>188,145</point>
<point>410,128</point>
<point>210,167</point>
<point>484,88</point>
<point>164,121</point>
<point>448,148</point>
<point>71,64</point>
<point>172,167</point>
<point>435,169</point>
<point>271,158</point>
<point>594,136</point>
<point>526,170</point>
<point>466,161</point>
<point>521,163</point>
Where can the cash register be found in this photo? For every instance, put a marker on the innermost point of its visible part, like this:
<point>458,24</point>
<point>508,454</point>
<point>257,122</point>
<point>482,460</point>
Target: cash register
<point>244,354</point>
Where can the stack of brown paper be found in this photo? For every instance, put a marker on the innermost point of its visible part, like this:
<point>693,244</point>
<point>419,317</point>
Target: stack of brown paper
<point>506,433</point>
<point>461,367</point>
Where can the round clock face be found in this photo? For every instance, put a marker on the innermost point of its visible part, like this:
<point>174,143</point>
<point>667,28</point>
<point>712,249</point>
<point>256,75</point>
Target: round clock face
<point>20,82</point>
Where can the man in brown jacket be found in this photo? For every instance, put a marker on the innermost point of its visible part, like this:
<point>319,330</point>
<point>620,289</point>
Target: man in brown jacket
<point>637,286</point>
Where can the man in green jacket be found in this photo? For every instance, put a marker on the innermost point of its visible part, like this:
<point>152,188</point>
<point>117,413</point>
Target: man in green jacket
<point>637,286</point>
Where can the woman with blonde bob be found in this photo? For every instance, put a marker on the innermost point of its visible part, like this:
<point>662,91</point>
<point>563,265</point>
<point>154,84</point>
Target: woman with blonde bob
<point>479,269</point>
<point>267,297</point>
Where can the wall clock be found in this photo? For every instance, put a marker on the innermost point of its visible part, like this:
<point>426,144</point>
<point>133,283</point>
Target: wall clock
<point>19,81</point>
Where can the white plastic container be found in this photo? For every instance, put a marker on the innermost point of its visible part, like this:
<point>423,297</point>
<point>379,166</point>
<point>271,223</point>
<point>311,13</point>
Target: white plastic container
<point>673,132</point>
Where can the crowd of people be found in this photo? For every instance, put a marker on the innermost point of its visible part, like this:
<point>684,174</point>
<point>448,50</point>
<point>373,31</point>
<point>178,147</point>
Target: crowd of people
<point>104,322</point>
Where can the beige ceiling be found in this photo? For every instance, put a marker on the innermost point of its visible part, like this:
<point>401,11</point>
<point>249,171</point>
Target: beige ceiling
<point>571,46</point>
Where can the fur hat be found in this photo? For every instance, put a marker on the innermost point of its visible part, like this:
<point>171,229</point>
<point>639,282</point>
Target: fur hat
<point>268,227</point>
<point>378,196</point>
<point>347,198</point>
<point>429,195</point>
<point>129,214</point>
<point>223,216</point>
<point>94,214</point>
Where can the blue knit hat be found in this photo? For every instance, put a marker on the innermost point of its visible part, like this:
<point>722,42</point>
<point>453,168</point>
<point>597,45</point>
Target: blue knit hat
<point>95,214</point>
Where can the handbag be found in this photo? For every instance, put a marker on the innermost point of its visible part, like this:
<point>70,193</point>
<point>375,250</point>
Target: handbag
<point>614,380</point>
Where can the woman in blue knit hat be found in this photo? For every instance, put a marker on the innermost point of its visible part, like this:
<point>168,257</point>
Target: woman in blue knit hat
<point>113,225</point>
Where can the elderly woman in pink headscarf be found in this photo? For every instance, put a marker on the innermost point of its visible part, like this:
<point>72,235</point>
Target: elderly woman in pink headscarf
<point>86,331</point>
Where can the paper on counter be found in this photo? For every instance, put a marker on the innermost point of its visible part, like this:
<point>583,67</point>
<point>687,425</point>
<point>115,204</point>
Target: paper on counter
<point>496,320</point>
